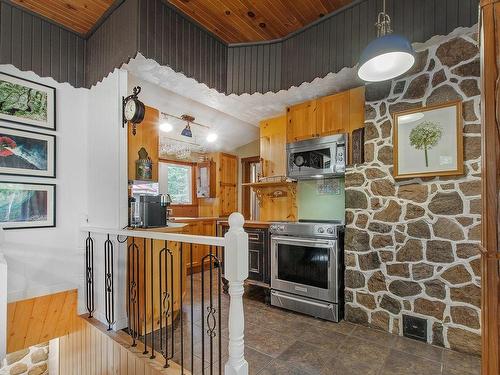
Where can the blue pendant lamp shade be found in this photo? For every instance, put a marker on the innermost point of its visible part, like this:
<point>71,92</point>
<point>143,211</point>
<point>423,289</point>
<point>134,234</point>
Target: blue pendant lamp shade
<point>186,132</point>
<point>386,57</point>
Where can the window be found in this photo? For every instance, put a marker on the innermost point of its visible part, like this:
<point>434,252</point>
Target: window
<point>176,180</point>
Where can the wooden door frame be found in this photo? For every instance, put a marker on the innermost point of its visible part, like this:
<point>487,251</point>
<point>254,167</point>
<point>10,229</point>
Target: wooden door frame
<point>489,31</point>
<point>245,190</point>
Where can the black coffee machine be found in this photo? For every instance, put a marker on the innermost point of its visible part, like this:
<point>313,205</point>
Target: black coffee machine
<point>149,211</point>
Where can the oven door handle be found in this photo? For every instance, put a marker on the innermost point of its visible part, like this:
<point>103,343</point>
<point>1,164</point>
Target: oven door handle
<point>279,295</point>
<point>328,243</point>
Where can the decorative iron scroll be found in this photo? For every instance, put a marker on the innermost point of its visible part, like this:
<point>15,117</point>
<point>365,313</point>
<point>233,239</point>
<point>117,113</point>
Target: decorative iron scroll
<point>89,274</point>
<point>108,283</point>
<point>213,323</point>
<point>166,301</point>
<point>133,282</point>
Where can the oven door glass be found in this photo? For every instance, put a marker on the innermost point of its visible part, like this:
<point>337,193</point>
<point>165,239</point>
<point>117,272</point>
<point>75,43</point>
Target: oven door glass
<point>303,264</point>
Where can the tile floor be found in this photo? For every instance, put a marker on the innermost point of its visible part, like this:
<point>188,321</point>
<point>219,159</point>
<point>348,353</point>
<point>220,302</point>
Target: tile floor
<point>279,342</point>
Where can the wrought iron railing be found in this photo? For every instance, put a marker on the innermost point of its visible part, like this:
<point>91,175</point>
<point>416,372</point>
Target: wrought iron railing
<point>174,314</point>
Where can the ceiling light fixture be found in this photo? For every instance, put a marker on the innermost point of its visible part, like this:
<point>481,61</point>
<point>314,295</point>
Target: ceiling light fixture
<point>388,56</point>
<point>212,137</point>
<point>165,126</point>
<point>186,132</point>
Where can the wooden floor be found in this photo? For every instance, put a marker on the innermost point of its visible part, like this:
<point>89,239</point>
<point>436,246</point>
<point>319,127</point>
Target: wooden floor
<point>91,350</point>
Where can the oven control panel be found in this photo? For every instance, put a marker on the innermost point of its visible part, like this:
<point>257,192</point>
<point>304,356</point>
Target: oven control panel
<point>323,230</point>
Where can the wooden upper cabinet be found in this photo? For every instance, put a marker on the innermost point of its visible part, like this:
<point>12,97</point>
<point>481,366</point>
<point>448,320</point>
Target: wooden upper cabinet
<point>301,121</point>
<point>273,146</point>
<point>332,114</point>
<point>228,183</point>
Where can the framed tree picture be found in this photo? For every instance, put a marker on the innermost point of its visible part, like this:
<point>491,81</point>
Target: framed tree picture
<point>27,102</point>
<point>26,153</point>
<point>27,205</point>
<point>428,141</point>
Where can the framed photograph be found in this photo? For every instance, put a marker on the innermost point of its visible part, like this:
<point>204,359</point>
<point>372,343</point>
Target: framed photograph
<point>428,141</point>
<point>26,153</point>
<point>26,102</point>
<point>27,205</point>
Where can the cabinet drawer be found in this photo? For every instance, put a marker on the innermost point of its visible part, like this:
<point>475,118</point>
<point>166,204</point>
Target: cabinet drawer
<point>255,235</point>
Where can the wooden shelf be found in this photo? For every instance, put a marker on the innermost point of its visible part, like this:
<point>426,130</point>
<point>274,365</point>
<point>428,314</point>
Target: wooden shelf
<point>269,184</point>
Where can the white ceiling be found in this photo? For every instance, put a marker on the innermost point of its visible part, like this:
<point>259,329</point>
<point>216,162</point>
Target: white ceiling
<point>232,132</point>
<point>248,108</point>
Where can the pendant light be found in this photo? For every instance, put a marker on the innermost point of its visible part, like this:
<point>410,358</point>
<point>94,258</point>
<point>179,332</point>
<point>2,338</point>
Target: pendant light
<point>388,56</point>
<point>186,132</point>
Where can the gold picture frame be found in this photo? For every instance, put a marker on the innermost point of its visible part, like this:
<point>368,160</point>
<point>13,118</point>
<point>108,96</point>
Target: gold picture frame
<point>425,137</point>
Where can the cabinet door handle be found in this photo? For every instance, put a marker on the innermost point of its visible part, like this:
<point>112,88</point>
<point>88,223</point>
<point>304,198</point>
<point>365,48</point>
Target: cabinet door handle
<point>253,236</point>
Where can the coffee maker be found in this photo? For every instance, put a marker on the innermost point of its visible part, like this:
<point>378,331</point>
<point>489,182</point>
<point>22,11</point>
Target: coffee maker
<point>149,211</point>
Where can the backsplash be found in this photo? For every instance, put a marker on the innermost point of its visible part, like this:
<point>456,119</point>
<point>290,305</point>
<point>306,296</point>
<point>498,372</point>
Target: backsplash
<point>412,246</point>
<point>319,202</point>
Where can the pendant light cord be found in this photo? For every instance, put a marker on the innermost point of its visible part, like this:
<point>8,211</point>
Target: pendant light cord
<point>383,22</point>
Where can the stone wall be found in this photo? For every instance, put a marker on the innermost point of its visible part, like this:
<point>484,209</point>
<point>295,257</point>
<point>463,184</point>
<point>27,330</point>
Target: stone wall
<point>31,361</point>
<point>412,245</point>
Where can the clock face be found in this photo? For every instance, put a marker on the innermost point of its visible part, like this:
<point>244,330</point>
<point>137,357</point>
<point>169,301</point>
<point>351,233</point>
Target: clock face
<point>130,109</point>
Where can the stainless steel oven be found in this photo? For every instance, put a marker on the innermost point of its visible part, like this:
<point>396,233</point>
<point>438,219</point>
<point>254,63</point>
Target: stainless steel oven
<point>306,268</point>
<point>317,157</point>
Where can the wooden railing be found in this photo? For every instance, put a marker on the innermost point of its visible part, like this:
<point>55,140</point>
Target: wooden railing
<point>162,303</point>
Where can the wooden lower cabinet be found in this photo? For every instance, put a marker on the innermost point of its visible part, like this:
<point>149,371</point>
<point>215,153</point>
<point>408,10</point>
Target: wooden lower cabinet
<point>201,228</point>
<point>259,254</point>
<point>148,280</point>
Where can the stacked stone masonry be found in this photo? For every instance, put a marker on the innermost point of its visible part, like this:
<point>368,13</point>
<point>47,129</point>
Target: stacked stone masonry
<point>412,246</point>
<point>31,361</point>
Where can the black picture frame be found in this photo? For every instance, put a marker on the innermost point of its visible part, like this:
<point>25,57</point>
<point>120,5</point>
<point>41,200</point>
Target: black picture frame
<point>53,206</point>
<point>53,159</point>
<point>26,122</point>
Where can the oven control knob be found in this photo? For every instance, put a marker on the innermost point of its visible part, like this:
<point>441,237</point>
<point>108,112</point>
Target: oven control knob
<point>330,230</point>
<point>321,230</point>
<point>281,228</point>
<point>273,227</point>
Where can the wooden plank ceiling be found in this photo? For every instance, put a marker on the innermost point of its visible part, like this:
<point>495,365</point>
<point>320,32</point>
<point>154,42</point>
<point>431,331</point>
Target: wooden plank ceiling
<point>238,21</point>
<point>76,15</point>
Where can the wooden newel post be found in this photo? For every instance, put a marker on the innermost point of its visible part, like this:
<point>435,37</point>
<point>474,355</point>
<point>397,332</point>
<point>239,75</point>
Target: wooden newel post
<point>236,271</point>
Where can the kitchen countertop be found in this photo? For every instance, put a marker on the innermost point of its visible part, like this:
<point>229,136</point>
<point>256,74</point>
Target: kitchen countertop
<point>170,228</point>
<point>249,223</point>
<point>191,219</point>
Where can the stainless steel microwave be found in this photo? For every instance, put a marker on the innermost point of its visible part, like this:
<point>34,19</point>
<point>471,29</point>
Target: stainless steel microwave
<point>317,157</point>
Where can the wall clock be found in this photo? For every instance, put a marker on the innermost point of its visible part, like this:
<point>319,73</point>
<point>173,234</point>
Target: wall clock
<point>133,109</point>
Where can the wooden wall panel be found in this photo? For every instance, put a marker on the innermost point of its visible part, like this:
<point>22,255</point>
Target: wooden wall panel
<point>112,44</point>
<point>337,40</point>
<point>147,136</point>
<point>168,37</point>
<point>92,350</point>
<point>160,32</point>
<point>31,43</point>
<point>36,320</point>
